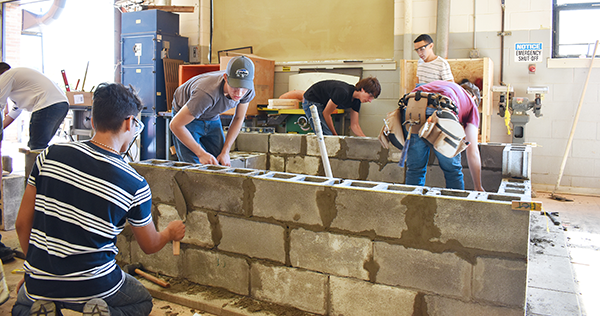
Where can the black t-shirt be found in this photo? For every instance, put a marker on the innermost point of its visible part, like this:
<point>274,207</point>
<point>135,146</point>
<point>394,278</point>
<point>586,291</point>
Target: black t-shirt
<point>337,91</point>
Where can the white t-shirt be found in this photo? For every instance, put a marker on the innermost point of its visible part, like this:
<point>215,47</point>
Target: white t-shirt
<point>437,69</point>
<point>29,89</point>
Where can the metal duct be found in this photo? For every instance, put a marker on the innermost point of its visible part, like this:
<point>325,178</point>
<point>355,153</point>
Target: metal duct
<point>443,28</point>
<point>31,20</point>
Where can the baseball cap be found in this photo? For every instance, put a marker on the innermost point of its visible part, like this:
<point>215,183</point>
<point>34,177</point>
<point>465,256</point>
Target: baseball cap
<point>240,72</point>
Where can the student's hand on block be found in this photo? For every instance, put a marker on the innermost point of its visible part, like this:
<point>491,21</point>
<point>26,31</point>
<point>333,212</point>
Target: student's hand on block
<point>208,159</point>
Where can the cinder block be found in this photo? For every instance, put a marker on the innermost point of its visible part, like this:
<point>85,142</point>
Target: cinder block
<point>253,239</point>
<point>303,164</point>
<point>257,161</point>
<point>516,162</point>
<point>442,273</point>
<point>491,156</point>
<point>13,187</point>
<point>253,142</point>
<point>394,154</point>
<point>391,172</point>
<point>163,261</point>
<point>354,297</point>
<point>216,269</point>
<point>286,144</point>
<point>489,226</point>
<point>345,256</point>
<point>238,162</point>
<point>276,163</point>
<point>156,171</point>
<point>213,190</point>
<point>442,306</point>
<point>346,169</point>
<point>386,212</point>
<point>197,226</point>
<point>332,144</point>
<point>309,204</point>
<point>362,148</point>
<point>500,281</point>
<point>301,289</point>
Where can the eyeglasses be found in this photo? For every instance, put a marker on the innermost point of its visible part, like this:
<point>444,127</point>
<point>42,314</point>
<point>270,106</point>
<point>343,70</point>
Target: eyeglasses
<point>422,48</point>
<point>139,126</point>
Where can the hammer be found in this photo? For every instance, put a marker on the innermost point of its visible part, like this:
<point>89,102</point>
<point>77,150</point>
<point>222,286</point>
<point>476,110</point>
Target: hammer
<point>135,268</point>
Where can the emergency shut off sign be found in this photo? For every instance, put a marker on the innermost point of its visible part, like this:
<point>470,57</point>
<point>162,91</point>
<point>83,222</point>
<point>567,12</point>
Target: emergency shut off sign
<point>528,52</point>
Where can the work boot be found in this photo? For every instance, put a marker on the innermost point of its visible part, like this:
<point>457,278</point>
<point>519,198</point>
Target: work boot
<point>6,253</point>
<point>96,307</point>
<point>43,308</point>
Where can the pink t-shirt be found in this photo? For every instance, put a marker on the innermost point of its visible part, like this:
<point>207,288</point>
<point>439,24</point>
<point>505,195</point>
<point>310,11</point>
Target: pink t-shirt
<point>467,109</point>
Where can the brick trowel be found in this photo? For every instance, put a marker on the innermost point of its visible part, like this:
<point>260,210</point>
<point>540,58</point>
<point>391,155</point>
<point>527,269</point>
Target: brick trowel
<point>180,205</point>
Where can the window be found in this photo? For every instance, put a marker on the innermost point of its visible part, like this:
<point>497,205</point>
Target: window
<point>575,28</point>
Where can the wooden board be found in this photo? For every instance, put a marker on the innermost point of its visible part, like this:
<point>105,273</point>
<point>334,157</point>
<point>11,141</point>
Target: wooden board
<point>472,69</point>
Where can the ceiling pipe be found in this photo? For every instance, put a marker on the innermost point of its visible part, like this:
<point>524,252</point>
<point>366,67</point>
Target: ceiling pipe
<point>443,28</point>
<point>31,20</point>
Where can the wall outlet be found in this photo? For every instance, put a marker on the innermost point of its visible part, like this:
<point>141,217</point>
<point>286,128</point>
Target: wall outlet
<point>194,53</point>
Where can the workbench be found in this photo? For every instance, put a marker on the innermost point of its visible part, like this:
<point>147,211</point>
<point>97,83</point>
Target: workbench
<point>296,121</point>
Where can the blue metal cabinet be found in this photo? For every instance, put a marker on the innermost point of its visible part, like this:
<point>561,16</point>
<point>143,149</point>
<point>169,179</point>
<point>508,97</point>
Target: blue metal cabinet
<point>146,38</point>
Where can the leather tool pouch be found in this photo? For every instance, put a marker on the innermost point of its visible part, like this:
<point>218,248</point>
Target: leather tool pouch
<point>442,129</point>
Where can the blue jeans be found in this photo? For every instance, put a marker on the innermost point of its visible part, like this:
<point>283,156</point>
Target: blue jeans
<point>132,299</point>
<point>209,134</point>
<point>418,156</point>
<point>320,107</point>
<point>44,124</point>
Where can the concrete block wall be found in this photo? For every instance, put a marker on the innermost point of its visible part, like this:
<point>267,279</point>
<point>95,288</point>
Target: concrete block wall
<point>342,247</point>
<point>358,158</point>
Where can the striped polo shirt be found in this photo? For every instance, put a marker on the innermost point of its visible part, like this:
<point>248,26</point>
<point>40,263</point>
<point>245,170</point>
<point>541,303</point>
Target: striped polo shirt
<point>84,197</point>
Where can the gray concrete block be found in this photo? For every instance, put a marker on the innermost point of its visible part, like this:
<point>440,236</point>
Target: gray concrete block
<point>332,144</point>
<point>216,269</point>
<point>253,142</point>
<point>491,156</point>
<point>490,226</point>
<point>238,163</point>
<point>345,168</point>
<point>163,261</point>
<point>197,232</point>
<point>309,204</point>
<point>330,253</point>
<point>301,289</point>
<point>435,177</point>
<point>390,172</point>
<point>443,306</point>
<point>276,163</point>
<point>303,164</point>
<point>442,273</point>
<point>500,281</point>
<point>361,210</point>
<point>550,302</point>
<point>213,190</point>
<point>360,148</point>
<point>257,161</point>
<point>354,297</point>
<point>253,239</point>
<point>155,172</point>
<point>286,144</point>
<point>13,187</point>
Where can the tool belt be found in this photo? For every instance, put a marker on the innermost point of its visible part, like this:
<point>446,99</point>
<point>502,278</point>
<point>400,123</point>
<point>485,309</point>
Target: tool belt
<point>442,129</point>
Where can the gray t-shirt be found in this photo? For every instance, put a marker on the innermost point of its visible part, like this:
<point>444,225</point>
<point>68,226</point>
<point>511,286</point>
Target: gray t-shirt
<point>204,96</point>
